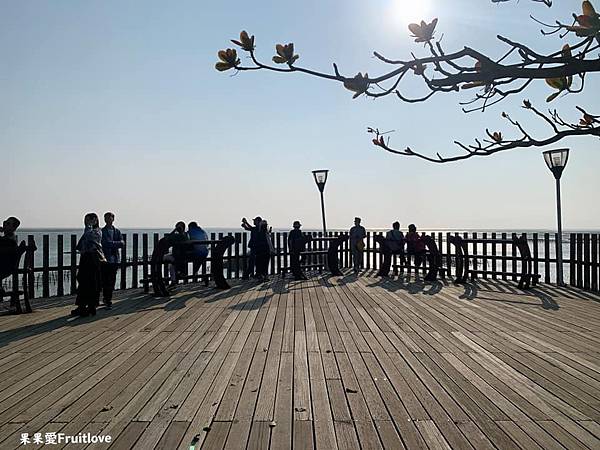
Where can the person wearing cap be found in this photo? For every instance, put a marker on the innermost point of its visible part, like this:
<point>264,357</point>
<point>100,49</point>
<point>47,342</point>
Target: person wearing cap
<point>10,252</point>
<point>357,244</point>
<point>249,271</point>
<point>296,243</point>
<point>112,241</point>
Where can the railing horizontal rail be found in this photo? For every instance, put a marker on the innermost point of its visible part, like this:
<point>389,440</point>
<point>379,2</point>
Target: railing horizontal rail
<point>492,255</point>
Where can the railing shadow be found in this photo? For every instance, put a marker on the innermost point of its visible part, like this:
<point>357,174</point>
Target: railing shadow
<point>473,290</point>
<point>125,303</point>
<point>405,283</point>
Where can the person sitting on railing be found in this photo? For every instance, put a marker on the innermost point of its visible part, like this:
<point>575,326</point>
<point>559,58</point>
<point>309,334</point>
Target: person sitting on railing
<point>297,243</point>
<point>264,249</point>
<point>112,241</point>
<point>10,252</point>
<point>198,252</point>
<point>177,255</point>
<point>89,272</point>
<point>414,244</point>
<point>249,271</point>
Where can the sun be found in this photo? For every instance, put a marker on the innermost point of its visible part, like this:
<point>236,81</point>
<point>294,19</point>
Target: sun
<point>403,12</point>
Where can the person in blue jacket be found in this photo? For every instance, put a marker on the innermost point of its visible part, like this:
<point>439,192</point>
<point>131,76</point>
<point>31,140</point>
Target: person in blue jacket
<point>112,241</point>
<point>199,252</point>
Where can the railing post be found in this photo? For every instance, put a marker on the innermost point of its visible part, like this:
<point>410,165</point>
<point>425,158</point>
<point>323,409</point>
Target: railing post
<point>514,257</point>
<point>475,257</point>
<point>145,262</point>
<point>579,260</point>
<point>31,275</point>
<point>286,261</point>
<point>45,266</point>
<point>595,265</point>
<point>494,259</point>
<point>547,278</point>
<point>586,261</point>
<point>244,252</point>
<point>536,268</point>
<point>229,257</point>
<point>60,288</point>
<point>572,259</point>
<point>134,261</point>
<point>124,263</point>
<point>73,265</point>
<point>504,256</point>
<point>368,251</point>
<point>236,252</point>
<point>484,252</point>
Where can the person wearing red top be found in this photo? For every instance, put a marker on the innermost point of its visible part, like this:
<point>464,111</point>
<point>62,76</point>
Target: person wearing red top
<point>414,244</point>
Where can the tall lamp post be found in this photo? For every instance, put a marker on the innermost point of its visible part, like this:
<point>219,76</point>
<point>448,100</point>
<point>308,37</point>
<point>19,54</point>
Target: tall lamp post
<point>321,178</point>
<point>556,160</point>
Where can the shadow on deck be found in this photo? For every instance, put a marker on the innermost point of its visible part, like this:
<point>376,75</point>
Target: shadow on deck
<point>327,363</point>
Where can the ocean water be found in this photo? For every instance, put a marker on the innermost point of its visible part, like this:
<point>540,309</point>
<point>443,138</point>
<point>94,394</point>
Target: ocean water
<point>39,233</point>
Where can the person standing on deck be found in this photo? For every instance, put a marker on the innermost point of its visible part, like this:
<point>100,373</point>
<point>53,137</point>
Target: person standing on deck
<point>112,241</point>
<point>263,248</point>
<point>10,252</point>
<point>249,272</point>
<point>357,244</point>
<point>296,242</point>
<point>89,274</point>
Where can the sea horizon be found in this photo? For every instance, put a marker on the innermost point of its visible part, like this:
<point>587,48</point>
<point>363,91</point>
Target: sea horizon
<point>305,228</point>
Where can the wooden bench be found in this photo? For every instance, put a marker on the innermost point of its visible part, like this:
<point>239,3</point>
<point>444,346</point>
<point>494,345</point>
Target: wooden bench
<point>463,258</point>
<point>432,259</point>
<point>27,278</point>
<point>157,263</point>
<point>331,255</point>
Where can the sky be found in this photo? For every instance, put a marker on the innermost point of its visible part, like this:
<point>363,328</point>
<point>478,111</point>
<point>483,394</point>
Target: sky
<point>116,105</point>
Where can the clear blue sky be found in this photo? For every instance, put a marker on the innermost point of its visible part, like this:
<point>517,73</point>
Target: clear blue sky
<point>116,105</point>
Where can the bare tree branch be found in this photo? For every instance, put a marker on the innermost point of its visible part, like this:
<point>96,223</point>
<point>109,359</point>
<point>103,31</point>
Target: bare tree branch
<point>495,78</point>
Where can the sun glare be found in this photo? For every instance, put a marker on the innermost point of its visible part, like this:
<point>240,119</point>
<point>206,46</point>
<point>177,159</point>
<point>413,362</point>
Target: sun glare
<point>404,12</point>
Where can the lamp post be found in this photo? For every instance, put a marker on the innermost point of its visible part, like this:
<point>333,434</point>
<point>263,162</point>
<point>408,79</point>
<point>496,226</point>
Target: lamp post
<point>321,178</point>
<point>556,160</point>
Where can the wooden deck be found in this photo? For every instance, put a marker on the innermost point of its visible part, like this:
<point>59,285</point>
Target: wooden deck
<point>339,363</point>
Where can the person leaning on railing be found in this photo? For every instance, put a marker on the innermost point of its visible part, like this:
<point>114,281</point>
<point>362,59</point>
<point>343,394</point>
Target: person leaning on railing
<point>415,244</point>
<point>177,255</point>
<point>394,240</point>
<point>199,252</point>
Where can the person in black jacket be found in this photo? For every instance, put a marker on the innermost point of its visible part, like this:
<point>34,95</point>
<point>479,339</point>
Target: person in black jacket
<point>263,248</point>
<point>89,274</point>
<point>297,243</point>
<point>177,257</point>
<point>249,271</point>
<point>10,252</point>
<point>112,241</point>
<point>8,246</point>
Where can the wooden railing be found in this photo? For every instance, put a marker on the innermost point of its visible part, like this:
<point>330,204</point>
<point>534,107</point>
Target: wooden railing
<point>581,262</point>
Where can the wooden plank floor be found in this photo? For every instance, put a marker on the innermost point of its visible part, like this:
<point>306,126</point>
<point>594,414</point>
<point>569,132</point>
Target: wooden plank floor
<point>342,363</point>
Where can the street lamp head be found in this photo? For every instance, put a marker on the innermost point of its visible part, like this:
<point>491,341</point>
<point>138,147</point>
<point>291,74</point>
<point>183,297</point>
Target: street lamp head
<point>556,160</point>
<point>320,178</point>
